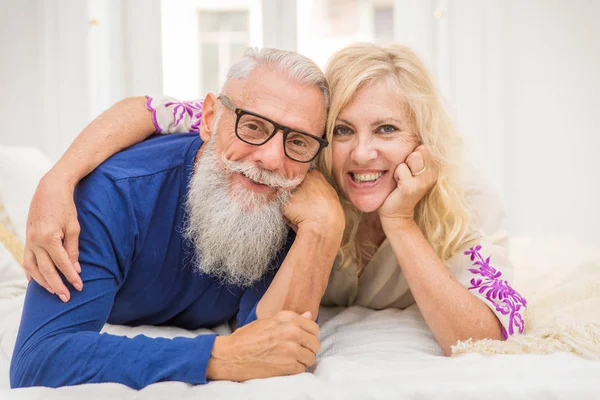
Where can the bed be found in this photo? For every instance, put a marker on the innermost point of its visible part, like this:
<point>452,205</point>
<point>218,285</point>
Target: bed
<point>365,354</point>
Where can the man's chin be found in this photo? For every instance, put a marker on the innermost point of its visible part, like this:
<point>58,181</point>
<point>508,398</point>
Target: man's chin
<point>249,200</point>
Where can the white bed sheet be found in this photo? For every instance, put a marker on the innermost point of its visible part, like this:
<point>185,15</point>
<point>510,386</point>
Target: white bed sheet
<point>365,354</point>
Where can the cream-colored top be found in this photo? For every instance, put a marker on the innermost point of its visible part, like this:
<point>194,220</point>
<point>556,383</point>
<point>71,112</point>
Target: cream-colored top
<point>383,285</point>
<point>486,270</point>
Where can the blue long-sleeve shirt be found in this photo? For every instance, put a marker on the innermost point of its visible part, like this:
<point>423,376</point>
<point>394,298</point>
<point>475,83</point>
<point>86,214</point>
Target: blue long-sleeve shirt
<point>136,271</point>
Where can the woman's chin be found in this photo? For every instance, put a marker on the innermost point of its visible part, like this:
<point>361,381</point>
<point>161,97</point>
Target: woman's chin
<point>367,205</point>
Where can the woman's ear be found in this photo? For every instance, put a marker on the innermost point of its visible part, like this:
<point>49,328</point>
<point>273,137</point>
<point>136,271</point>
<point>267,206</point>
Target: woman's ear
<point>208,116</point>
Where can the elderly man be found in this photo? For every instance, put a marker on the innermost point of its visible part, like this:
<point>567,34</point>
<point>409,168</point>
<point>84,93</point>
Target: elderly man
<point>188,231</point>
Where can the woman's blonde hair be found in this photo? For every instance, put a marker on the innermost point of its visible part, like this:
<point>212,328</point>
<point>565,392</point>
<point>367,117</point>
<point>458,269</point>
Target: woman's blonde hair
<point>442,214</point>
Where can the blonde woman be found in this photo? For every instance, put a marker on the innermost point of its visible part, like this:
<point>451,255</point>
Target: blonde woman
<point>420,227</point>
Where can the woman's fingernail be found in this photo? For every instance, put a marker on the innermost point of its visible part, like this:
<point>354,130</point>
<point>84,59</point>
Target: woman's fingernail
<point>78,267</point>
<point>78,286</point>
<point>49,290</point>
<point>63,298</point>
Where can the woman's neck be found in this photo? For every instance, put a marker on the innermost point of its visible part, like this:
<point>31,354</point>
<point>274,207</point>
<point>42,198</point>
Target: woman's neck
<point>370,229</point>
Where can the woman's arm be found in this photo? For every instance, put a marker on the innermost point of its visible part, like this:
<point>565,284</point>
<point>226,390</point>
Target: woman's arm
<point>52,227</point>
<point>450,310</point>
<point>125,123</point>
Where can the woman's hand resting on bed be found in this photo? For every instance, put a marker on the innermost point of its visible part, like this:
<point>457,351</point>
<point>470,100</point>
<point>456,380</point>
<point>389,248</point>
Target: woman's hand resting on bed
<point>52,236</point>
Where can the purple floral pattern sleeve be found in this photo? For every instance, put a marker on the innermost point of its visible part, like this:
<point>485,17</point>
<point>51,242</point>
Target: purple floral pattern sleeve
<point>173,116</point>
<point>487,283</point>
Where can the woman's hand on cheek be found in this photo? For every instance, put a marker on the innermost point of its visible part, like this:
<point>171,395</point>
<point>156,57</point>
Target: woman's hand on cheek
<point>414,178</point>
<point>315,205</point>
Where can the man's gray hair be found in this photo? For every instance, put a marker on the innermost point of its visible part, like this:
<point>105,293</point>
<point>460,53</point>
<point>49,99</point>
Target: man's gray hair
<point>297,67</point>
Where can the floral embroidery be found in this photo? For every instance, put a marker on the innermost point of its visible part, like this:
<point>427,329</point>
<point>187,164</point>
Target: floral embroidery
<point>497,291</point>
<point>153,110</point>
<point>192,108</point>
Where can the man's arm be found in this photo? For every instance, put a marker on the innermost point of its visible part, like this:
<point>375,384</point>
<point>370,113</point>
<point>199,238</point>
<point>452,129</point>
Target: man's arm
<point>52,228</point>
<point>60,344</point>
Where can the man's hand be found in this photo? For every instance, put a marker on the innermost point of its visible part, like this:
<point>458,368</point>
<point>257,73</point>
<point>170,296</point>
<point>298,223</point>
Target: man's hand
<point>284,344</point>
<point>315,204</point>
<point>53,236</point>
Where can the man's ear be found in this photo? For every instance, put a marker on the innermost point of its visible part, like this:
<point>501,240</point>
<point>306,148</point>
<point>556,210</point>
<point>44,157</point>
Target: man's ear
<point>209,111</point>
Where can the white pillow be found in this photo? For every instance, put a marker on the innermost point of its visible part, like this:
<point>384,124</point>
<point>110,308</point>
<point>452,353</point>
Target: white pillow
<point>12,277</point>
<point>21,168</point>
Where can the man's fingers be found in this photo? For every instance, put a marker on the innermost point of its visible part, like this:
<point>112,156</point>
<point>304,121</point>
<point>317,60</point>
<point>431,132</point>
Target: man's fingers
<point>310,342</point>
<point>61,259</point>
<point>306,357</point>
<point>48,270</point>
<point>307,325</point>
<point>30,265</point>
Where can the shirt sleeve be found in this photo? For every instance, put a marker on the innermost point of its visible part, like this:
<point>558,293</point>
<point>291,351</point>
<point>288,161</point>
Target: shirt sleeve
<point>173,116</point>
<point>483,266</point>
<point>250,299</point>
<point>61,344</point>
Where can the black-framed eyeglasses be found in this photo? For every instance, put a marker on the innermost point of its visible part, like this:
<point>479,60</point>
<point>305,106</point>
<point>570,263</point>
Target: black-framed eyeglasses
<point>257,130</point>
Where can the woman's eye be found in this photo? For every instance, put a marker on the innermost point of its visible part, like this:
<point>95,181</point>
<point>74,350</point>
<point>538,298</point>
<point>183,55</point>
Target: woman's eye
<point>342,130</point>
<point>387,129</point>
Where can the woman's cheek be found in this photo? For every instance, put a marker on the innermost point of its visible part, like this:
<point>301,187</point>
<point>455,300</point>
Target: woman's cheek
<point>339,155</point>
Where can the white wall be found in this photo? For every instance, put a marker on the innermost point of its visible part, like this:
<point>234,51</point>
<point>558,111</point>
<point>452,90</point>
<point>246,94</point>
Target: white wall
<point>521,79</point>
<point>19,70</point>
<point>553,98</point>
<point>59,70</point>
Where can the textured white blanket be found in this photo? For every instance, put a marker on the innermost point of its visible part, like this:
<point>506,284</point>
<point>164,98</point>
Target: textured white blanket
<point>563,293</point>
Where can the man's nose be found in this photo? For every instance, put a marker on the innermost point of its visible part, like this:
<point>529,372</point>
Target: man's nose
<point>271,155</point>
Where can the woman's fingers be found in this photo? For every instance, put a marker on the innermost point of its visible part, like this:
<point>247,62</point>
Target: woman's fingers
<point>62,261</point>
<point>402,173</point>
<point>30,265</point>
<point>415,161</point>
<point>71,244</point>
<point>50,274</point>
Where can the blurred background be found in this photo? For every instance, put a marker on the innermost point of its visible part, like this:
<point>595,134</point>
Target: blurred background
<point>521,78</point>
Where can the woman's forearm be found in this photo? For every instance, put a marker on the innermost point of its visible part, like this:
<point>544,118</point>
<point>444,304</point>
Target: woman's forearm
<point>302,278</point>
<point>450,311</point>
<point>122,125</point>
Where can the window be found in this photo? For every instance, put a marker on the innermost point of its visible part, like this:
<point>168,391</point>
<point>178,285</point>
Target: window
<point>383,22</point>
<point>222,36</point>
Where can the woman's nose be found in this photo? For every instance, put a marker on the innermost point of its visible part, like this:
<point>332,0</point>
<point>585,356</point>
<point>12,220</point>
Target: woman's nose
<point>364,151</point>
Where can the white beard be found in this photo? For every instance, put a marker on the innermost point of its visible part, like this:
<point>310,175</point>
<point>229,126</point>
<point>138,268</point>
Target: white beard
<point>236,232</point>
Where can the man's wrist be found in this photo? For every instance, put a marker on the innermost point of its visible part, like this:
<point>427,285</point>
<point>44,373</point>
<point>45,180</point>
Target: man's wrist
<point>215,370</point>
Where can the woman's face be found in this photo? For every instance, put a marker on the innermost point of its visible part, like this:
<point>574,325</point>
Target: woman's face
<point>371,137</point>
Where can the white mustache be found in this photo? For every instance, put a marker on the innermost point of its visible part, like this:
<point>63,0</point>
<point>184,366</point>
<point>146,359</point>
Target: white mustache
<point>260,175</point>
